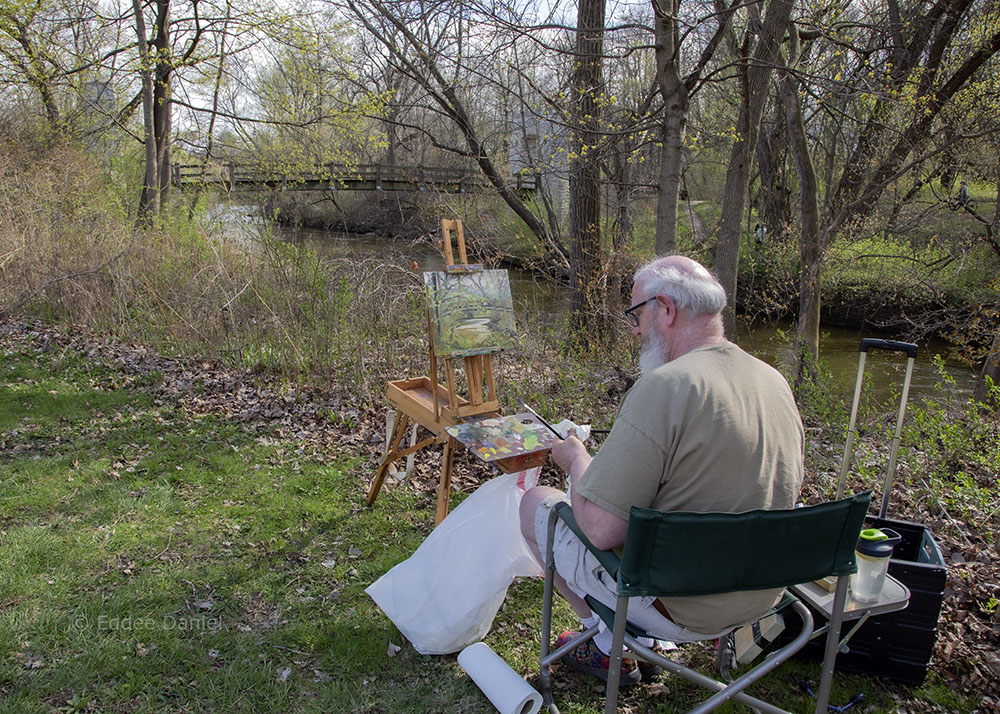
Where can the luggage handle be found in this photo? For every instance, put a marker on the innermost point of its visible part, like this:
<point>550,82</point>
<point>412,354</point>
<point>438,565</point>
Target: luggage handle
<point>870,343</point>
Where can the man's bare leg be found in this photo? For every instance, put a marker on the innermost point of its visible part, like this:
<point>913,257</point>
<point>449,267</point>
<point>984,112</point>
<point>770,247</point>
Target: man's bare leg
<point>529,506</point>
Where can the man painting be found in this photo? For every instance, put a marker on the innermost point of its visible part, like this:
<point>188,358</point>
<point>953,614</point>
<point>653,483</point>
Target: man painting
<point>706,428</point>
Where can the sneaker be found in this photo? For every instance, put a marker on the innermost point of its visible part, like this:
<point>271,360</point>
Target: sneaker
<point>587,658</point>
<point>648,670</point>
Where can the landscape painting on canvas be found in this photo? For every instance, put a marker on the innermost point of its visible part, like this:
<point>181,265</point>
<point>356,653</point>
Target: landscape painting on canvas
<point>471,313</point>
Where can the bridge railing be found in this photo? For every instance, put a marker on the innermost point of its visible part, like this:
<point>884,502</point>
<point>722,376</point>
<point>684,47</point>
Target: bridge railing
<point>200,173</point>
<point>336,176</point>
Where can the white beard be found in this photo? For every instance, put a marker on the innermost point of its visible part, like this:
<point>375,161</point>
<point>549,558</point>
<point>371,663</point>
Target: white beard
<point>651,356</point>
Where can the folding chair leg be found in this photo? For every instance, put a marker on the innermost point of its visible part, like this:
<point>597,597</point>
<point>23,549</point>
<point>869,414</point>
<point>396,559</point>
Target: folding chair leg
<point>548,658</point>
<point>545,678</point>
<point>832,645</point>
<point>617,645</point>
<point>735,690</point>
<point>545,674</point>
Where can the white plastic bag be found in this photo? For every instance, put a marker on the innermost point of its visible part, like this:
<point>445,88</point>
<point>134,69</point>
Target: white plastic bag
<point>445,595</point>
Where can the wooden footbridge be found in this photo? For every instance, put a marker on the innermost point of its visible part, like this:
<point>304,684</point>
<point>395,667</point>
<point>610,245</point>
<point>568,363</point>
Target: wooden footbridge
<point>339,177</point>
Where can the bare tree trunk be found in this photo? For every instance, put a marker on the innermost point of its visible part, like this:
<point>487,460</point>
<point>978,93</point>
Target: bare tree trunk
<point>675,114</point>
<point>810,254</point>
<point>991,369</point>
<point>217,88</point>
<point>622,237</point>
<point>149,199</point>
<point>773,204</point>
<point>162,107</point>
<point>757,75</point>
<point>617,267</point>
<point>34,69</point>
<point>585,168</point>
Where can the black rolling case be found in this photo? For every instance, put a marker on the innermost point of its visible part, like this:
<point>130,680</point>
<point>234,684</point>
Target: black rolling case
<point>896,645</point>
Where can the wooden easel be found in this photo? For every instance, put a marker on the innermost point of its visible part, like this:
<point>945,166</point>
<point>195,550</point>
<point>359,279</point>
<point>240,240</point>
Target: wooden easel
<point>478,368</point>
<point>436,407</point>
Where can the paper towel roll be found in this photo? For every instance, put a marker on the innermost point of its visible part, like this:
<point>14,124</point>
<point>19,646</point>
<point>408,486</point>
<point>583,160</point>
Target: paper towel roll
<point>504,687</point>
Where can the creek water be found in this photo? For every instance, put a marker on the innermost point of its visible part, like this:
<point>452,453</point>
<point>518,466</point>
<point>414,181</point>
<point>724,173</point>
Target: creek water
<point>767,340</point>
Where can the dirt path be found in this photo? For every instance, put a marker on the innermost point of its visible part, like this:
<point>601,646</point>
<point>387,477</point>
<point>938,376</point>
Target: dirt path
<point>694,221</point>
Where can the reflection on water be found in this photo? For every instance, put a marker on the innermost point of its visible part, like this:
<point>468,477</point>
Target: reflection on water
<point>529,292</point>
<point>884,371</point>
<point>838,346</point>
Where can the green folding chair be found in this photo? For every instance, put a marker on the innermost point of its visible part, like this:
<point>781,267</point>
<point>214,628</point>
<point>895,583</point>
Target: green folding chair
<point>755,550</point>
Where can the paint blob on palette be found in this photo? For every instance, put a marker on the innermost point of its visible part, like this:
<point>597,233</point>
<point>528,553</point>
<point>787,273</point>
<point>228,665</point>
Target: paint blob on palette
<point>502,437</point>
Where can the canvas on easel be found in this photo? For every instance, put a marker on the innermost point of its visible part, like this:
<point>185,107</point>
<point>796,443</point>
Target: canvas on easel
<point>470,313</point>
<point>470,317</point>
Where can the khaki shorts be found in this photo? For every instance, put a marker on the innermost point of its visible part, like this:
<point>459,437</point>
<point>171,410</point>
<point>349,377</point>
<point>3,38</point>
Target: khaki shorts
<point>584,575</point>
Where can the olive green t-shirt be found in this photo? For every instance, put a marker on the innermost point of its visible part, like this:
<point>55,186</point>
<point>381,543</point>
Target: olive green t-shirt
<point>715,430</point>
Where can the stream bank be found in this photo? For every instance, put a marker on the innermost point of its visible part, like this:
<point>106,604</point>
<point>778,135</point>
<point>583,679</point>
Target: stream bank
<point>956,321</point>
<point>547,301</point>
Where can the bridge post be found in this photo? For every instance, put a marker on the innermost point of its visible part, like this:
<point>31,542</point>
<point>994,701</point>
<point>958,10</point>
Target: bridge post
<point>378,177</point>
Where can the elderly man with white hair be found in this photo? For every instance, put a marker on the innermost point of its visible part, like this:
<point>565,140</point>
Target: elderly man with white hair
<point>705,428</point>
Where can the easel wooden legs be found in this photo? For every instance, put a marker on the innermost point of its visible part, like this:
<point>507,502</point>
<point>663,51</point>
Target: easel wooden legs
<point>444,484</point>
<point>393,453</point>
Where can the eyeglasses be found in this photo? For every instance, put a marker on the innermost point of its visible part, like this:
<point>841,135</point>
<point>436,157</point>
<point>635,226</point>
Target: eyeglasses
<point>630,313</point>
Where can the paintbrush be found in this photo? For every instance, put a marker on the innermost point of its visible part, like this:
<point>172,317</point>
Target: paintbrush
<point>542,420</point>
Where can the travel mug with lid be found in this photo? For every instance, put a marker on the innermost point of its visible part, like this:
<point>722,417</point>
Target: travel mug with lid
<point>873,551</point>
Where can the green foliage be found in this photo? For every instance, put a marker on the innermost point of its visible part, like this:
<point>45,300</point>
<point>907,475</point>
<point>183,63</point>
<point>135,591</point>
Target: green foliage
<point>768,275</point>
<point>315,113</point>
<point>818,397</point>
<point>956,448</point>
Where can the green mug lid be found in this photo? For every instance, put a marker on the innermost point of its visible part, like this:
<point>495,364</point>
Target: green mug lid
<point>876,543</point>
<point>873,534</point>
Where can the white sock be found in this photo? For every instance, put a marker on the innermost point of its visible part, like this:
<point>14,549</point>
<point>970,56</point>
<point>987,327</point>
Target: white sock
<point>603,640</point>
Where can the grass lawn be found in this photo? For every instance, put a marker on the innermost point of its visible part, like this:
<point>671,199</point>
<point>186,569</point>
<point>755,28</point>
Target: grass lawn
<point>154,559</point>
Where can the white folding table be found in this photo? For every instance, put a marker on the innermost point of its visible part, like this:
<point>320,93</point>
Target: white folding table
<point>894,596</point>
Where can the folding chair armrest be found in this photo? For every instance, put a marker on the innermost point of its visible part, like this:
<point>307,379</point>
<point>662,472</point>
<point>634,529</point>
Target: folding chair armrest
<point>608,559</point>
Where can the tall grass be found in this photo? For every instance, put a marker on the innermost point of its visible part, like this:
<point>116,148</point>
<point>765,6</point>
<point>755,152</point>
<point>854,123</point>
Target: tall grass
<point>70,253</point>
